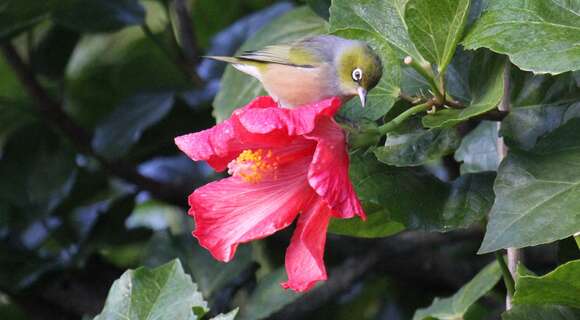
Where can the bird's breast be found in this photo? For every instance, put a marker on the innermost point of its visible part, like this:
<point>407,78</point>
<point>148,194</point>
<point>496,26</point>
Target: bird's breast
<point>294,86</point>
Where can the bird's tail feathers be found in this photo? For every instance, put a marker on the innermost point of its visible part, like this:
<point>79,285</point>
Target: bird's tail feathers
<point>246,66</point>
<point>232,60</point>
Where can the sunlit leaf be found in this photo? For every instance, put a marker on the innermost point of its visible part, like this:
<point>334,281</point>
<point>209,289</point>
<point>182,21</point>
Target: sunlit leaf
<point>540,36</point>
<point>457,305</point>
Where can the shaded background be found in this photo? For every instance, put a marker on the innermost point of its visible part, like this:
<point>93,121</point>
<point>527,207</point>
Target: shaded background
<point>91,96</point>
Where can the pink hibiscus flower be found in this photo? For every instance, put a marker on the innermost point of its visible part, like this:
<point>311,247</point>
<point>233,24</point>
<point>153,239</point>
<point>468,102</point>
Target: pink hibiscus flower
<point>283,163</point>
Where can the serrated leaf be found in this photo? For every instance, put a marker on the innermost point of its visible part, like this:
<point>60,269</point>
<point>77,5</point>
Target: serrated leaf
<point>538,193</point>
<point>478,149</point>
<point>165,292</point>
<point>99,15</point>
<point>540,36</point>
<point>124,126</point>
<point>237,88</point>
<point>486,86</point>
<point>456,306</point>
<point>434,36</point>
<point>535,312</point>
<point>417,147</point>
<point>409,198</point>
<point>561,287</point>
<point>267,298</point>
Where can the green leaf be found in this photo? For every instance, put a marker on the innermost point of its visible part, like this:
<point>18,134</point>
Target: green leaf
<point>538,193</point>
<point>12,117</point>
<point>268,298</point>
<point>457,305</point>
<point>540,104</point>
<point>124,126</point>
<point>384,29</point>
<point>228,316</point>
<point>321,7</point>
<point>208,273</point>
<point>478,149</point>
<point>409,198</point>
<point>99,15</point>
<point>486,86</point>
<point>38,171</point>
<point>561,286</point>
<point>383,19</point>
<point>165,292</point>
<point>106,69</point>
<point>51,55</point>
<point>417,147</point>
<point>535,312</point>
<point>18,15</point>
<point>237,88</point>
<point>436,26</point>
<point>157,215</point>
<point>540,36</point>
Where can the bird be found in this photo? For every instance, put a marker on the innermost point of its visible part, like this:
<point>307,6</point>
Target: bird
<point>312,69</point>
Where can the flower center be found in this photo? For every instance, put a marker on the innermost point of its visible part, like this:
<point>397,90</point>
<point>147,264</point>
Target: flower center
<point>254,165</point>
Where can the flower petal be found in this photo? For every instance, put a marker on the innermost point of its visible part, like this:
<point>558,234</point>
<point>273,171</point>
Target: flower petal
<point>304,257</point>
<point>231,211</point>
<point>218,145</point>
<point>260,124</point>
<point>328,172</point>
<point>297,121</point>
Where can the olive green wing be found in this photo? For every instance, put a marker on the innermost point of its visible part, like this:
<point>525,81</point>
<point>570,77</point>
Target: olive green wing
<point>294,55</point>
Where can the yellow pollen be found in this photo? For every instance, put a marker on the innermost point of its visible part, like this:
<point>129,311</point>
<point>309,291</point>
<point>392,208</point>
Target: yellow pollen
<point>253,166</point>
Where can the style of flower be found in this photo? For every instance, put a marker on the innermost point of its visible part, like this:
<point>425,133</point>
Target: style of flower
<point>283,163</point>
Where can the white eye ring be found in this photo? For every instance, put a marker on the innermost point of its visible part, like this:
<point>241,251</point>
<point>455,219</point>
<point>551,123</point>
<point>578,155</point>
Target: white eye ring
<point>357,74</point>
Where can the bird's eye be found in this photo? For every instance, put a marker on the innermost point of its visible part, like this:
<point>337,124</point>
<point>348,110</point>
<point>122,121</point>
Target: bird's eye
<point>357,74</point>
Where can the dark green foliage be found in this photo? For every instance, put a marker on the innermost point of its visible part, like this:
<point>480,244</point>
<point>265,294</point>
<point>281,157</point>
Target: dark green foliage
<point>92,93</point>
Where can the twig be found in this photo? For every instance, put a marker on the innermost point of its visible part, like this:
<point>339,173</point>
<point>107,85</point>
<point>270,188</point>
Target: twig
<point>424,69</point>
<point>513,254</point>
<point>189,53</point>
<point>393,124</point>
<point>506,274</point>
<point>408,98</point>
<point>52,110</point>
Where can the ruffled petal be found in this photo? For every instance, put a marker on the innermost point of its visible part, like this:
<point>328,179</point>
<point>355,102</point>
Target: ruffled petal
<point>218,145</point>
<point>328,172</point>
<point>305,255</point>
<point>263,120</point>
<point>260,124</point>
<point>231,211</point>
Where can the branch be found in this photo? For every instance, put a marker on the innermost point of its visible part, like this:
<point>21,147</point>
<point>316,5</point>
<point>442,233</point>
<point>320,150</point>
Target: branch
<point>188,40</point>
<point>513,254</point>
<point>52,110</point>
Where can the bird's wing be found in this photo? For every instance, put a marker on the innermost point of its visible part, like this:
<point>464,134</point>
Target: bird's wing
<point>283,54</point>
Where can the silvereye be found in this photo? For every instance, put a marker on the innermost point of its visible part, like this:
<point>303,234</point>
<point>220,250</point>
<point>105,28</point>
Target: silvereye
<point>312,69</point>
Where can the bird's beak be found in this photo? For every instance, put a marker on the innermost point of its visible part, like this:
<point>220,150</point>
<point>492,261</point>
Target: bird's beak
<point>362,94</point>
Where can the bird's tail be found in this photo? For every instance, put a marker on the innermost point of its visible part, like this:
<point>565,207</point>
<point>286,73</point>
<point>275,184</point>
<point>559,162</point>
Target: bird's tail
<point>232,60</point>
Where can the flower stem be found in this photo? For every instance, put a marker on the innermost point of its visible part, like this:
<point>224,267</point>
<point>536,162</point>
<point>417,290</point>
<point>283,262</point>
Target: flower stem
<point>577,238</point>
<point>425,70</point>
<point>393,124</point>
<point>507,276</point>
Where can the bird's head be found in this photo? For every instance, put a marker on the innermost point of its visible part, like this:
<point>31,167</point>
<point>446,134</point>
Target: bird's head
<point>359,69</point>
